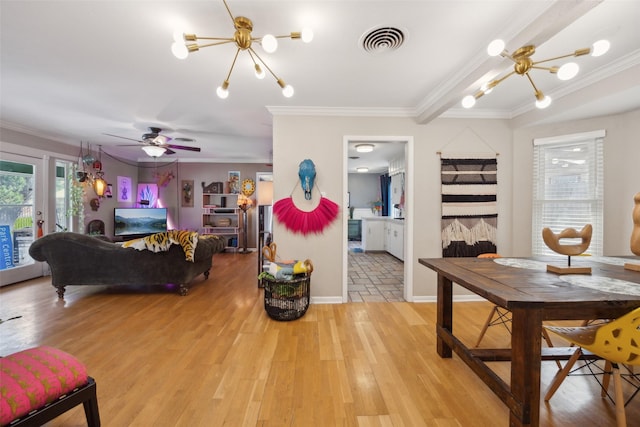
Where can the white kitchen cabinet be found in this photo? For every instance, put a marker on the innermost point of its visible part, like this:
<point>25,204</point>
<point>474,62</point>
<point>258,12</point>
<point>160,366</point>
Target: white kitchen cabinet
<point>397,188</point>
<point>395,239</point>
<point>373,234</point>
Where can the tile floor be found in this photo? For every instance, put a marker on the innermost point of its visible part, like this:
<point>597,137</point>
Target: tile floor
<point>374,276</point>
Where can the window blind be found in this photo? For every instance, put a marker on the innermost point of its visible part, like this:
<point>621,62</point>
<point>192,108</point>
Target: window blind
<point>568,188</point>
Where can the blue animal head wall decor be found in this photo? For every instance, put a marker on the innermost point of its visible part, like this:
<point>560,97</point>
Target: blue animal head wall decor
<point>307,174</point>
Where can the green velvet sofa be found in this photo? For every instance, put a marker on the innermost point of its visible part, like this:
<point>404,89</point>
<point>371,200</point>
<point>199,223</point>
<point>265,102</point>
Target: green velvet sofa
<point>79,259</point>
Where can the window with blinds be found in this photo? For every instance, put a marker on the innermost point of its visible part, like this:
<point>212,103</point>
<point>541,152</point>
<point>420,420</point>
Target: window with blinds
<point>568,188</point>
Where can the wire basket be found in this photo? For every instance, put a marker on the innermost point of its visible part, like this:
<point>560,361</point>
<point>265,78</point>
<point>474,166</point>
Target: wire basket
<point>287,299</point>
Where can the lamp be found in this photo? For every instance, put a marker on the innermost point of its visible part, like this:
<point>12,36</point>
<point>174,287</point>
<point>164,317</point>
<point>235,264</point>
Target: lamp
<point>364,148</point>
<point>154,150</point>
<point>523,64</point>
<point>243,40</point>
<point>244,203</point>
<point>99,184</point>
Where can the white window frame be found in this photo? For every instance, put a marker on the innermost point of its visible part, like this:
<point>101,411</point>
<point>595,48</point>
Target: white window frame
<point>576,202</point>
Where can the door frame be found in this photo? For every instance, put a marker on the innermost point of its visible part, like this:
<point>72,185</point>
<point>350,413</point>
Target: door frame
<point>408,210</point>
<point>40,165</point>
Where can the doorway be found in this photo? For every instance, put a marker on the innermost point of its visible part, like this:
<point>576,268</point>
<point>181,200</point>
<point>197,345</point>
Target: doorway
<point>374,259</point>
<point>21,216</point>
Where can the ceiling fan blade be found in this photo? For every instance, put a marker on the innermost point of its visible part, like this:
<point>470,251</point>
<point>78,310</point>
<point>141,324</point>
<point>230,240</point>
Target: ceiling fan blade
<point>168,151</point>
<point>123,137</point>
<point>183,147</point>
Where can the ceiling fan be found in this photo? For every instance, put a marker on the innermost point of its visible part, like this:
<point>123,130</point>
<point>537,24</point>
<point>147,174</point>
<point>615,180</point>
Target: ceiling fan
<point>155,144</point>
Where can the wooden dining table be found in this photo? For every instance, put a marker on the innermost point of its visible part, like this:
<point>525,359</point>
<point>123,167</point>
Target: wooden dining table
<point>533,295</point>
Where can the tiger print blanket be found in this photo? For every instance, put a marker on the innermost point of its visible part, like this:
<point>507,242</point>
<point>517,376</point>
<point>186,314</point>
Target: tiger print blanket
<point>161,242</point>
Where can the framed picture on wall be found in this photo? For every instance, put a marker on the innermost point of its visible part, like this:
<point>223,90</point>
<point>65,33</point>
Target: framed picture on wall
<point>187,193</point>
<point>147,195</point>
<point>234,182</point>
<point>124,189</point>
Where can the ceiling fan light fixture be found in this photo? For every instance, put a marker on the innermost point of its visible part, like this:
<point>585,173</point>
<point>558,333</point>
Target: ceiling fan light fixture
<point>154,150</point>
<point>161,139</point>
<point>364,148</point>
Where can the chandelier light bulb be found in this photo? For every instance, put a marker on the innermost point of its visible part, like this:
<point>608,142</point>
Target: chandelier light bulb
<point>568,71</point>
<point>543,103</point>
<point>179,50</point>
<point>600,47</point>
<point>468,101</point>
<point>287,91</point>
<point>496,47</point>
<point>307,35</point>
<point>222,92</point>
<point>259,72</point>
<point>269,43</point>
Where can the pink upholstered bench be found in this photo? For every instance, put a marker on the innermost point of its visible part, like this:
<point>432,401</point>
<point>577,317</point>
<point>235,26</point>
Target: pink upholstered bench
<point>39,384</point>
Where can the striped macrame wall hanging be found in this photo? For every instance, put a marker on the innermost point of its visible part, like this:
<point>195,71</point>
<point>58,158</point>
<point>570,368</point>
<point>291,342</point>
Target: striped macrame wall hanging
<point>469,207</point>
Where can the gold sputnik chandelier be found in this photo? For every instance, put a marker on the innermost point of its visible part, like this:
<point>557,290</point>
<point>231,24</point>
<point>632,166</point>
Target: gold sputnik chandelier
<point>243,40</point>
<point>523,63</point>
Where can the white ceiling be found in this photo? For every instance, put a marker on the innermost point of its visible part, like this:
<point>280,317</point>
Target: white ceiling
<point>74,71</point>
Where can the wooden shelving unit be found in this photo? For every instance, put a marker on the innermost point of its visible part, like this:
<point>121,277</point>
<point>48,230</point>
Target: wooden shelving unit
<point>221,216</point>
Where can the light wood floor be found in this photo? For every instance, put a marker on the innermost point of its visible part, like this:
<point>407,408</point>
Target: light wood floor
<point>215,358</point>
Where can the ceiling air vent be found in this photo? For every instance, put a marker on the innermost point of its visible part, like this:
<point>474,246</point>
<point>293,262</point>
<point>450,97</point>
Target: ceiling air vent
<point>382,39</point>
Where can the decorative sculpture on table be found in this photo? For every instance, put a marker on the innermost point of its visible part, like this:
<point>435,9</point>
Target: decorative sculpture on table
<point>552,240</point>
<point>635,234</point>
<point>303,221</point>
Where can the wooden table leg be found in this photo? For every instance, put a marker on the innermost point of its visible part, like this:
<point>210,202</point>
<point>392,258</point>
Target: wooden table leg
<point>445,313</point>
<point>526,343</point>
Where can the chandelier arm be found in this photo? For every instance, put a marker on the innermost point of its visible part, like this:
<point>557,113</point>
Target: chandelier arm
<point>532,83</point>
<point>263,63</point>
<point>200,46</point>
<point>214,38</point>
<point>496,82</point>
<point>578,52</point>
<point>251,55</point>
<point>233,20</point>
<point>550,69</point>
<point>232,65</point>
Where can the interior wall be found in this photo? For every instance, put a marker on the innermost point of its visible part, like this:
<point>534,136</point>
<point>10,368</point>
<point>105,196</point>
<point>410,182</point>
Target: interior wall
<point>364,189</point>
<point>621,177</point>
<point>323,138</point>
<point>190,218</point>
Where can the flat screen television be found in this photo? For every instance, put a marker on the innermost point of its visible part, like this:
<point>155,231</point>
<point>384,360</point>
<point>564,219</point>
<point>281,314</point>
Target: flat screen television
<point>139,222</point>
